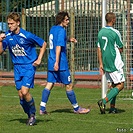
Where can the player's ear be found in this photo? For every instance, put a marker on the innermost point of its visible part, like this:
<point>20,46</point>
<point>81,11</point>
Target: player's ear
<point>114,20</point>
<point>18,23</point>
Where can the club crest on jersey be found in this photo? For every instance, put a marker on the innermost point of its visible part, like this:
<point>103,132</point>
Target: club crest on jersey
<point>21,41</point>
<point>18,51</point>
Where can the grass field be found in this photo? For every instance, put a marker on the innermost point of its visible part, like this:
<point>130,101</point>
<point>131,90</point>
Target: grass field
<point>61,118</point>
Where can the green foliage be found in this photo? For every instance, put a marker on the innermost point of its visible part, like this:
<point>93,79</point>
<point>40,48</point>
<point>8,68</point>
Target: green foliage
<point>61,118</point>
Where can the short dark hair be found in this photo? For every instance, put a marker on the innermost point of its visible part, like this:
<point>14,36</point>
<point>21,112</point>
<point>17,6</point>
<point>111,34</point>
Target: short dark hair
<point>14,15</point>
<point>60,17</point>
<point>109,16</point>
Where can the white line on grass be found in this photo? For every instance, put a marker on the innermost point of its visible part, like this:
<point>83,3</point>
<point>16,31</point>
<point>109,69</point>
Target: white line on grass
<point>123,99</point>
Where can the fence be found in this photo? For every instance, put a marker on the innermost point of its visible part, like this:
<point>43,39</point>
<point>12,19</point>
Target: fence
<point>39,15</point>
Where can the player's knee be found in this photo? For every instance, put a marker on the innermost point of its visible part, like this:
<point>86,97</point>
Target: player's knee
<point>69,87</point>
<point>24,91</point>
<point>49,85</point>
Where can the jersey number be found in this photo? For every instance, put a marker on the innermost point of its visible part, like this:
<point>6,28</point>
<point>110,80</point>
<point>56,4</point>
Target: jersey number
<point>51,41</point>
<point>69,78</point>
<point>106,42</point>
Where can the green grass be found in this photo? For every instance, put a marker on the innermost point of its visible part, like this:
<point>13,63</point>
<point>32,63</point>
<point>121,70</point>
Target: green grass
<point>61,118</point>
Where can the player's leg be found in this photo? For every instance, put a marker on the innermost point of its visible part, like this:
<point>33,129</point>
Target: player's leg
<point>72,97</point>
<point>24,79</point>
<point>28,104</point>
<point>45,96</point>
<point>19,82</point>
<point>112,106</point>
<point>65,79</point>
<point>28,72</point>
<point>118,78</point>
<point>113,102</point>
<point>23,103</point>
<point>51,79</point>
<point>29,101</point>
<point>113,93</point>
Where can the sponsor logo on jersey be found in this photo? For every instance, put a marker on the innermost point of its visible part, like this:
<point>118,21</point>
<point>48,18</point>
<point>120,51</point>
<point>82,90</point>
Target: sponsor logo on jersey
<point>18,51</point>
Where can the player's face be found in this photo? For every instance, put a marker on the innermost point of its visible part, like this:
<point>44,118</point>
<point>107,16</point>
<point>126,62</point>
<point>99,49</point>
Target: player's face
<point>13,25</point>
<point>65,22</point>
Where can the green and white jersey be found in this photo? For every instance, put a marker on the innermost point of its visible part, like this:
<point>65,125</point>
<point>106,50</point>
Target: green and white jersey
<point>109,40</point>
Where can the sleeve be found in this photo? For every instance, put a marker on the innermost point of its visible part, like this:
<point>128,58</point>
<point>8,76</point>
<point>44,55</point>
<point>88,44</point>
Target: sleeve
<point>119,42</point>
<point>36,40</point>
<point>4,44</point>
<point>61,38</point>
<point>98,44</point>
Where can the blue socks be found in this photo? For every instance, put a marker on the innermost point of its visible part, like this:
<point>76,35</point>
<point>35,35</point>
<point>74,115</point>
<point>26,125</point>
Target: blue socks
<point>70,94</point>
<point>25,106</point>
<point>28,107</point>
<point>31,105</point>
<point>72,98</point>
<point>45,96</point>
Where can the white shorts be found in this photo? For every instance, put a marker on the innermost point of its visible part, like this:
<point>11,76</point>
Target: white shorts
<point>115,77</point>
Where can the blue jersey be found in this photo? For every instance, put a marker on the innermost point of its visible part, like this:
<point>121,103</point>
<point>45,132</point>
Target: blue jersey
<point>22,46</point>
<point>57,37</point>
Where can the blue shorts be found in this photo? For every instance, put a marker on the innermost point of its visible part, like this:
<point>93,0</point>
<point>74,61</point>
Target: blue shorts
<point>24,76</point>
<point>59,77</point>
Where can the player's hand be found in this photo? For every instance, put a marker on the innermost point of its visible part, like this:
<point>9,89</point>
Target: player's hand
<point>110,85</point>
<point>2,36</point>
<point>56,66</point>
<point>101,70</point>
<point>73,40</point>
<point>121,50</point>
<point>37,63</point>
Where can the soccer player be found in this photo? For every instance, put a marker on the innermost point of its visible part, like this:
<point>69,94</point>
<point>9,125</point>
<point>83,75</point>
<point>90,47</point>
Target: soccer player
<point>58,70</point>
<point>22,49</point>
<point>109,50</point>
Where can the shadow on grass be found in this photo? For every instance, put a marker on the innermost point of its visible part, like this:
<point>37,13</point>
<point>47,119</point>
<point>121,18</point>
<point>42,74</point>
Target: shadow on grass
<point>25,120</point>
<point>62,111</point>
<point>119,110</point>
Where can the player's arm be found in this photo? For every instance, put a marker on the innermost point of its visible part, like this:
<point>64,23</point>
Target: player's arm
<point>60,43</point>
<point>2,37</point>
<point>100,60</point>
<point>58,51</point>
<point>41,53</point>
